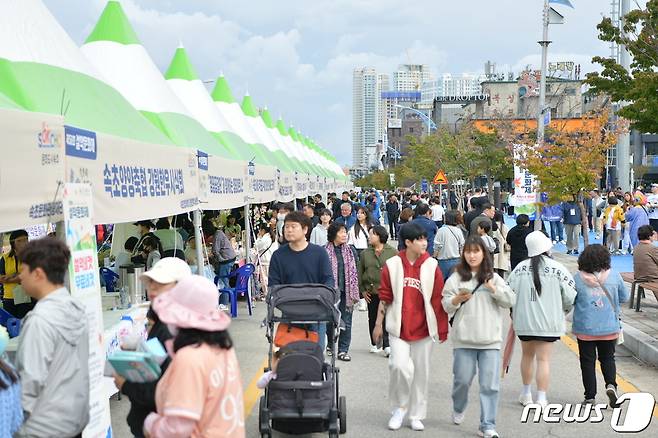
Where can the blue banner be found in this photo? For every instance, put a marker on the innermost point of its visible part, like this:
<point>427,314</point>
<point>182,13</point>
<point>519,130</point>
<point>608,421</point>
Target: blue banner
<point>80,143</point>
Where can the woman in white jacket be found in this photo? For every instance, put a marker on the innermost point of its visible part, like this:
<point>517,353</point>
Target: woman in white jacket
<point>545,292</point>
<point>475,297</point>
<point>319,233</point>
<point>357,236</point>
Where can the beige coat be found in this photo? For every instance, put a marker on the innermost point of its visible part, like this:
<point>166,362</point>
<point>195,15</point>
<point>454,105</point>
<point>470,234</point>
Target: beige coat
<point>502,259</point>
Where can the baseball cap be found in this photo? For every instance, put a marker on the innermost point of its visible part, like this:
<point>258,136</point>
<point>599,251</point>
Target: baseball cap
<point>168,270</point>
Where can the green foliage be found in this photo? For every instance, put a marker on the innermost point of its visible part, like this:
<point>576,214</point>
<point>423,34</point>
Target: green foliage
<point>637,87</point>
<point>379,179</point>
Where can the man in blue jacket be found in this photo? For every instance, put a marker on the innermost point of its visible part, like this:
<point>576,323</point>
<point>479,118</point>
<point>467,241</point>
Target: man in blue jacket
<point>554,214</point>
<point>346,217</point>
<point>572,221</point>
<point>424,219</point>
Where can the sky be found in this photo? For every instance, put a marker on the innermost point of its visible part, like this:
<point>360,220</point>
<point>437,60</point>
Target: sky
<point>297,56</point>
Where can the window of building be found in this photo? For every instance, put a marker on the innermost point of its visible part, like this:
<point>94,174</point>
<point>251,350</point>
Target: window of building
<point>651,148</point>
<point>411,130</point>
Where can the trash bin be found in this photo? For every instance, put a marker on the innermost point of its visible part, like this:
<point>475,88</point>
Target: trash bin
<point>130,280</point>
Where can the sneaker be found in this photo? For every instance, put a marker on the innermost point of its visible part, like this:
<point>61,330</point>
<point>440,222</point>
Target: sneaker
<point>387,351</point>
<point>525,399</point>
<point>223,307</point>
<point>458,418</point>
<point>375,349</point>
<point>397,419</point>
<point>563,242</point>
<point>489,433</point>
<point>554,242</point>
<point>330,351</point>
<point>417,425</point>
<point>589,401</point>
<point>611,392</point>
<point>542,403</point>
<point>575,252</point>
<point>569,251</point>
<point>597,236</point>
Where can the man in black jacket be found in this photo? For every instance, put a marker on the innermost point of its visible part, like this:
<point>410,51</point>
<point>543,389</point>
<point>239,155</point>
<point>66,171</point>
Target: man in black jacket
<point>516,240</point>
<point>393,214</point>
<point>160,278</point>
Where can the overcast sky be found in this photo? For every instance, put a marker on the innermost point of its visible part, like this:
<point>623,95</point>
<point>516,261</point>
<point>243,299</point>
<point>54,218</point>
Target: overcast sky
<point>297,56</point>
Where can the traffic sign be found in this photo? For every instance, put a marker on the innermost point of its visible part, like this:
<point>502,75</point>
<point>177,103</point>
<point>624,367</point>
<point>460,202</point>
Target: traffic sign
<point>440,178</point>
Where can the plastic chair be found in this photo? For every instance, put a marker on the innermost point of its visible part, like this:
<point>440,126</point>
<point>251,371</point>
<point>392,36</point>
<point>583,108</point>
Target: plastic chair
<point>12,324</point>
<point>242,276</point>
<point>109,277</point>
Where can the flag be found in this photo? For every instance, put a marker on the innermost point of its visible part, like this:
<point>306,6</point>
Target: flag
<point>562,2</point>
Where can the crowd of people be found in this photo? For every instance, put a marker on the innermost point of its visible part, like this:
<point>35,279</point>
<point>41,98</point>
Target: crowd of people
<point>452,275</point>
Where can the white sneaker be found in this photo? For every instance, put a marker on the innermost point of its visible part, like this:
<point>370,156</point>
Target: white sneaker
<point>458,418</point>
<point>223,307</point>
<point>397,419</point>
<point>490,433</point>
<point>542,403</point>
<point>375,349</point>
<point>417,425</point>
<point>387,351</point>
<point>525,399</point>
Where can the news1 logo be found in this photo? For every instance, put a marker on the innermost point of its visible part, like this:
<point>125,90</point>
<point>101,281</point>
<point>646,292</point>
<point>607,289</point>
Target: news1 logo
<point>638,413</point>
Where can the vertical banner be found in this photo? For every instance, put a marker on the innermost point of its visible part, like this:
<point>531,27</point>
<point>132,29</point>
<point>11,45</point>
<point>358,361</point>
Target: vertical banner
<point>85,287</point>
<point>262,184</point>
<point>31,169</point>
<point>525,197</point>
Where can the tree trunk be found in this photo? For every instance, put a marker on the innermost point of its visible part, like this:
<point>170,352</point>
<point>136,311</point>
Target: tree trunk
<point>584,223</point>
<point>490,188</point>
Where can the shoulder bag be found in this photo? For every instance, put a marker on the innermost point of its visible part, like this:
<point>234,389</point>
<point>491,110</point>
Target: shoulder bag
<point>460,306</point>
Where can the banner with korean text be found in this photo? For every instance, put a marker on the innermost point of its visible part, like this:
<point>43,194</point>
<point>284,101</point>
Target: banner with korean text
<point>84,284</point>
<point>261,181</point>
<point>225,185</point>
<point>32,168</point>
<point>285,185</point>
<point>130,179</point>
<point>524,199</point>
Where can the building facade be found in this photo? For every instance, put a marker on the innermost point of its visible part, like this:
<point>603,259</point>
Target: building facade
<point>368,114</point>
<point>466,84</point>
<point>410,77</point>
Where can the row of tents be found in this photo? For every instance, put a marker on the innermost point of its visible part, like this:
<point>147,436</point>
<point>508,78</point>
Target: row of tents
<point>103,113</point>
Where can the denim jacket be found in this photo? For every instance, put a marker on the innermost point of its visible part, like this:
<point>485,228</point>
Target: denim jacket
<point>593,314</point>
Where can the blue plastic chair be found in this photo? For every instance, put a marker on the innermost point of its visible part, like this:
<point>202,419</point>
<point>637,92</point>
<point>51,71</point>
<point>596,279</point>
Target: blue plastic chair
<point>242,276</point>
<point>12,324</point>
<point>109,277</point>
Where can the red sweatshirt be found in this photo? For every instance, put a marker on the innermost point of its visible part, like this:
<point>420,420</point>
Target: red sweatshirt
<point>414,324</point>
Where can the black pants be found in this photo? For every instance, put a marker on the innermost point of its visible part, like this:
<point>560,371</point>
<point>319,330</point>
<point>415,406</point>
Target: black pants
<point>606,355</point>
<point>392,220</point>
<point>373,305</point>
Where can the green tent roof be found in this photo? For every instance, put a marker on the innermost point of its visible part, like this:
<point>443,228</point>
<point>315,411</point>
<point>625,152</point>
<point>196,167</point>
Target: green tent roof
<point>281,126</point>
<point>222,92</point>
<point>248,107</point>
<point>181,67</point>
<point>113,25</point>
<point>267,118</point>
<point>6,102</point>
<point>293,133</point>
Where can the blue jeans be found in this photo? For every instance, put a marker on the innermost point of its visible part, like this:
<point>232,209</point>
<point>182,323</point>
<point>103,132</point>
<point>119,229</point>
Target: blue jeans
<point>223,270</point>
<point>446,267</point>
<point>488,368</point>
<point>557,231</point>
<point>345,336</point>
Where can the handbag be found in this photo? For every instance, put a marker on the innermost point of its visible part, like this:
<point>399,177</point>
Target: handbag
<point>286,333</point>
<point>620,338</point>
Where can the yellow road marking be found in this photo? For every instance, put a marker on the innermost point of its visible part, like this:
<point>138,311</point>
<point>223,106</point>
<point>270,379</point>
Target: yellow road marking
<point>253,393</point>
<point>622,383</point>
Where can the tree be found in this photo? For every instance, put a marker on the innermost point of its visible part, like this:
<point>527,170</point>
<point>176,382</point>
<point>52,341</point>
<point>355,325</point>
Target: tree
<point>569,163</point>
<point>379,179</point>
<point>637,87</point>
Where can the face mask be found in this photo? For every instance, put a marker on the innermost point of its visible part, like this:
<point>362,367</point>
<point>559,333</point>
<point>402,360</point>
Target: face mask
<point>172,329</point>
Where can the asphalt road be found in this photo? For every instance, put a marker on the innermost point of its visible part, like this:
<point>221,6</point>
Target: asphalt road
<point>364,382</point>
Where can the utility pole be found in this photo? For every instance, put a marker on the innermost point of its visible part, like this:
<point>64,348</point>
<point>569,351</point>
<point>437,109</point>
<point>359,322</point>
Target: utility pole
<point>544,43</point>
<point>624,139</point>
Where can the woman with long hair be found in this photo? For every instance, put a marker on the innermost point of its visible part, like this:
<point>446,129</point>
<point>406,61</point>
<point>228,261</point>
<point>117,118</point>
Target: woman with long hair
<point>343,259</point>
<point>502,257</point>
<point>357,236</point>
<point>474,297</point>
<point>596,324</point>
<point>545,293</point>
<point>200,394</point>
<point>319,233</point>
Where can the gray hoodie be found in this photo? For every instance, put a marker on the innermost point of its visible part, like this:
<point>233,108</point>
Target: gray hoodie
<point>53,364</point>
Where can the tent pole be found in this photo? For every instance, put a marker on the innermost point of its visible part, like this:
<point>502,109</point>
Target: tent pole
<point>199,241</point>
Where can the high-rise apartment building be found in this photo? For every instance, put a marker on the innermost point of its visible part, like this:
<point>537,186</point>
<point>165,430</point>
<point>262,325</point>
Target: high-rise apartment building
<point>368,114</point>
<point>410,77</point>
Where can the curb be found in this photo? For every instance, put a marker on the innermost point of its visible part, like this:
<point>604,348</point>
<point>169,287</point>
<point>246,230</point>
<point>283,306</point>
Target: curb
<point>643,346</point>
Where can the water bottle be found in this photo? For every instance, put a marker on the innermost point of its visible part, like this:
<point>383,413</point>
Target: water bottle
<point>123,298</point>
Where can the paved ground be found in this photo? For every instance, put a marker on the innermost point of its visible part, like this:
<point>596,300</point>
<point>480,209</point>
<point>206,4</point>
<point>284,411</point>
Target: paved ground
<point>364,382</point>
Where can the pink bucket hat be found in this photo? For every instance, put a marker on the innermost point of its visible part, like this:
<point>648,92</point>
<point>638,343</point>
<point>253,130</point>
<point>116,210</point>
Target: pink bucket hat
<point>192,303</point>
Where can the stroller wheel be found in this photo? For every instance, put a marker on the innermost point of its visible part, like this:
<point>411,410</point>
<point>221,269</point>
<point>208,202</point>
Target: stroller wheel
<point>342,414</point>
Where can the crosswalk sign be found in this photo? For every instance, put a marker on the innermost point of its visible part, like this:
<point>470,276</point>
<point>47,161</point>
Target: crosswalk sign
<point>440,178</point>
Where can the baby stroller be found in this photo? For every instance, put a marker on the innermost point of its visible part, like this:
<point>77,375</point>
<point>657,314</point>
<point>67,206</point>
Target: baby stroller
<point>305,397</point>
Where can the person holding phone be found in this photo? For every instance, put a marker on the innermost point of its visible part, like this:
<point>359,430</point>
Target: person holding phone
<point>474,297</point>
